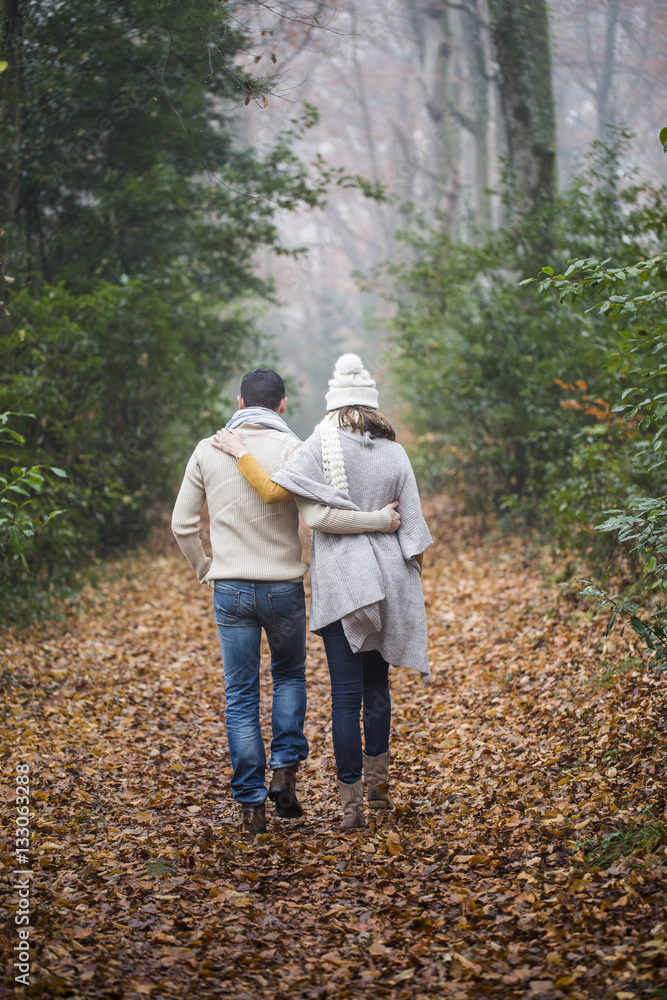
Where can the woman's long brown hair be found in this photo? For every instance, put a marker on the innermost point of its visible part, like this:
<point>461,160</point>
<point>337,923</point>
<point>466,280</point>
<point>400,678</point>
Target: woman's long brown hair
<point>365,418</point>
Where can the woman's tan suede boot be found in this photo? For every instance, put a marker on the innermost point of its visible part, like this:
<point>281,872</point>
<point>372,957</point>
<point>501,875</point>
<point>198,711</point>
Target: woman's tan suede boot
<point>376,773</point>
<point>352,800</point>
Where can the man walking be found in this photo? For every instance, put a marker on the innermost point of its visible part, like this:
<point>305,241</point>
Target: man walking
<point>257,573</point>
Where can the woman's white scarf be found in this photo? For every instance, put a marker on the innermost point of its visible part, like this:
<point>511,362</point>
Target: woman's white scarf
<point>333,464</point>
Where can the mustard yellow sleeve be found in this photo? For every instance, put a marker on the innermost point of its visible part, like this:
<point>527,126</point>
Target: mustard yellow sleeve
<point>260,480</point>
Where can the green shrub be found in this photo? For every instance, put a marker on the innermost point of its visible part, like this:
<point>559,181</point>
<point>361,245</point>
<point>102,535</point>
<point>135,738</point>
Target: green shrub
<point>110,375</point>
<point>512,396</point>
<point>640,526</point>
<point>19,488</point>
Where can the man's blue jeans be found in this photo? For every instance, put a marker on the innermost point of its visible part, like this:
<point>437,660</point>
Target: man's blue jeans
<point>241,609</point>
<point>356,679</point>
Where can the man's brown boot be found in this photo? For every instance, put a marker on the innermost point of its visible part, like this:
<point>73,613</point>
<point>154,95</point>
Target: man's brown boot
<point>253,818</point>
<point>282,791</point>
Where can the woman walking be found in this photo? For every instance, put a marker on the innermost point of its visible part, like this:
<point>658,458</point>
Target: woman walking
<point>367,601</point>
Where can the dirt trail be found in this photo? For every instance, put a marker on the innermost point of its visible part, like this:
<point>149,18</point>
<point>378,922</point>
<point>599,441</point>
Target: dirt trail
<point>535,740</point>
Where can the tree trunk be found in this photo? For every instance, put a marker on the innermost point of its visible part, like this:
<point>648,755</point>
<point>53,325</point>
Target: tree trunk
<point>605,104</point>
<point>10,124</point>
<point>452,45</point>
<point>432,28</point>
<point>469,106</point>
<point>520,30</point>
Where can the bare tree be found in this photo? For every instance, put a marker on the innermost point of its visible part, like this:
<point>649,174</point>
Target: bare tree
<point>410,94</point>
<point>454,55</point>
<point>610,63</point>
<point>520,30</point>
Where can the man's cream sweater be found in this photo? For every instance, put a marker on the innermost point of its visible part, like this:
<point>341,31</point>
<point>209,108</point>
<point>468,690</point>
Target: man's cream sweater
<point>250,539</point>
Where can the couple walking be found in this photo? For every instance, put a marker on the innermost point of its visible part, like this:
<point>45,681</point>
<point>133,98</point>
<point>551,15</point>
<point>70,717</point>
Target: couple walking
<point>354,486</point>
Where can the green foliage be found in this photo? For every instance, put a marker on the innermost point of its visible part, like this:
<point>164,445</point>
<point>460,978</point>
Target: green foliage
<point>113,375</point>
<point>633,295</point>
<point>513,396</point>
<point>130,216</point>
<point>481,372</point>
<point>126,157</point>
<point>620,298</point>
<point>651,628</point>
<point>19,521</point>
<point>638,839</point>
<point>609,672</point>
<point>645,528</point>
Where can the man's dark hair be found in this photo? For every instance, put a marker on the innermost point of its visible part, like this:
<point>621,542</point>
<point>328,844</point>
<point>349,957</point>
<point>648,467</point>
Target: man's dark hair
<point>262,387</point>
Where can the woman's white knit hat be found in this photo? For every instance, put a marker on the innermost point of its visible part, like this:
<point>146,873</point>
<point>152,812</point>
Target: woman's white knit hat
<point>351,384</point>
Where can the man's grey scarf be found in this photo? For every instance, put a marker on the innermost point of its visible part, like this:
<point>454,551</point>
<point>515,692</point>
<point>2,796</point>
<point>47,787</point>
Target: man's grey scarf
<point>259,415</point>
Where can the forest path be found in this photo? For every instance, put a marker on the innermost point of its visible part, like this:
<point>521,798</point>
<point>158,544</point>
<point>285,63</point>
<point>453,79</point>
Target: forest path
<point>534,735</point>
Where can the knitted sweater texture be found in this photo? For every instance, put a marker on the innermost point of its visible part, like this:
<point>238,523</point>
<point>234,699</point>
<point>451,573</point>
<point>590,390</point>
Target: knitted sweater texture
<point>250,539</point>
<point>371,582</point>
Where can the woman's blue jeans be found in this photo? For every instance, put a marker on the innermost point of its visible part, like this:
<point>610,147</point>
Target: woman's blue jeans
<point>356,679</point>
<point>242,608</point>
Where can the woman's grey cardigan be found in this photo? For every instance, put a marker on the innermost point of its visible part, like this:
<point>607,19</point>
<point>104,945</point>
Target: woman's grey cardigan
<point>370,581</point>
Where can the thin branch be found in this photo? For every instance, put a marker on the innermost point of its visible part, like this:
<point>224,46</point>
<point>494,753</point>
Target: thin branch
<point>309,20</point>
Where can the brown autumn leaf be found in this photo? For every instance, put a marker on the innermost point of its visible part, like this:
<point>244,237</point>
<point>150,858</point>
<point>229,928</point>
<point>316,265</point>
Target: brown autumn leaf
<point>141,985</point>
<point>536,738</point>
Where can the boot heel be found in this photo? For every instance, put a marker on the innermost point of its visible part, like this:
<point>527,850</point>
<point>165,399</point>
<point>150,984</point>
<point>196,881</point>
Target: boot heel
<point>282,792</point>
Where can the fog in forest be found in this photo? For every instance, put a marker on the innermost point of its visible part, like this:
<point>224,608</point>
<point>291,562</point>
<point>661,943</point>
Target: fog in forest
<point>408,98</point>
